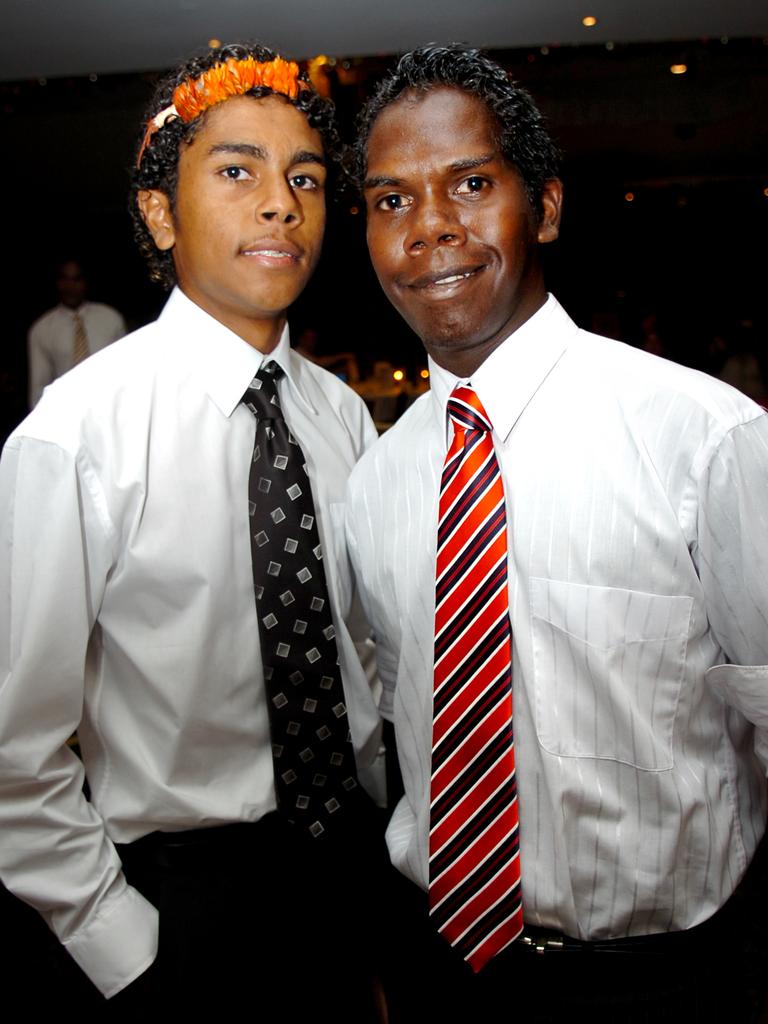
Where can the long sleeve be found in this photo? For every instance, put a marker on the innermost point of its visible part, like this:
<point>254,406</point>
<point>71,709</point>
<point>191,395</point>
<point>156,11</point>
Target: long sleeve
<point>732,558</point>
<point>41,369</point>
<point>120,329</point>
<point>384,641</point>
<point>127,612</point>
<point>55,854</point>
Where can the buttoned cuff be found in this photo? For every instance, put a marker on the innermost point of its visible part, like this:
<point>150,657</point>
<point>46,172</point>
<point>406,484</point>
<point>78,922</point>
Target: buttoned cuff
<point>119,944</point>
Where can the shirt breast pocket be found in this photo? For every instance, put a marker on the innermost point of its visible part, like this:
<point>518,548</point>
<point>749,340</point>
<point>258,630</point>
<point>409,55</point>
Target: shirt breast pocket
<point>608,667</point>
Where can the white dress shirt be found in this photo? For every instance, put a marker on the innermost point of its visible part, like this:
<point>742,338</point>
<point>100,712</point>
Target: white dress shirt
<point>51,341</point>
<point>127,612</point>
<point>637,503</point>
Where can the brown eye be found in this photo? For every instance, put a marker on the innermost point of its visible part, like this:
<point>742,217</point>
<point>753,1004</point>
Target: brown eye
<point>473,185</point>
<point>393,201</point>
<point>305,182</point>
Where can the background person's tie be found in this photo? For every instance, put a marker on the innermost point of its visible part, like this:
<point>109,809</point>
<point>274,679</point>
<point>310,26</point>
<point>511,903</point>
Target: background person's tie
<point>474,863</point>
<point>80,348</point>
<point>315,771</point>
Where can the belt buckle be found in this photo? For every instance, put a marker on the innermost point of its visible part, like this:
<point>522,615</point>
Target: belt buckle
<point>542,945</point>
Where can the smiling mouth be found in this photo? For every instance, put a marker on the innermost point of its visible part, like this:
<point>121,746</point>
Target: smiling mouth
<point>445,279</point>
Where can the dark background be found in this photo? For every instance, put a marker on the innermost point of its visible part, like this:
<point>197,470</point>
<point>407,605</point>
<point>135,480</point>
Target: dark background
<point>689,247</point>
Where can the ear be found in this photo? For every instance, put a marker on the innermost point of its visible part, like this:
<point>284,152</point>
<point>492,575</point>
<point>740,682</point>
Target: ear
<point>155,208</point>
<point>551,208</point>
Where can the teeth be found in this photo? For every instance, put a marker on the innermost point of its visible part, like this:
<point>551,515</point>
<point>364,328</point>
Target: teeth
<point>267,252</point>
<point>454,277</point>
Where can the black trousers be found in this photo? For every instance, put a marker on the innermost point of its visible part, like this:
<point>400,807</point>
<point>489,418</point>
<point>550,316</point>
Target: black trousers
<point>717,972</point>
<point>261,920</point>
<point>258,921</point>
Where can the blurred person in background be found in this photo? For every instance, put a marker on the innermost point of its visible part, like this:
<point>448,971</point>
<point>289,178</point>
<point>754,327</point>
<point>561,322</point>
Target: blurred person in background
<point>70,332</point>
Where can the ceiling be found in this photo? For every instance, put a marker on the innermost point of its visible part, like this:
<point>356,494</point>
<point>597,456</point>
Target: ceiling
<point>50,38</point>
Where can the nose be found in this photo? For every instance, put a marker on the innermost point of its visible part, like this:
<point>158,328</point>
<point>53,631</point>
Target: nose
<point>277,202</point>
<point>436,222</point>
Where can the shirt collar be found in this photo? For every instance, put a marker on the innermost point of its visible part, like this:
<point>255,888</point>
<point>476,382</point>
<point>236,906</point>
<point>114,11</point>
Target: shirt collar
<point>513,372</point>
<point>223,361</point>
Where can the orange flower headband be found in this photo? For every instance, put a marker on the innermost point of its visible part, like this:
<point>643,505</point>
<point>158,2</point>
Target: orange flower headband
<point>219,83</point>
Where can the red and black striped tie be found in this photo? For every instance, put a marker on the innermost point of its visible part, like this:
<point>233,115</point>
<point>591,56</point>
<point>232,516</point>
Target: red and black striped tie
<point>474,862</point>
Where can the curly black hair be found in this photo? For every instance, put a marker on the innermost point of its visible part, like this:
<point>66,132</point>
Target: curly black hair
<point>523,137</point>
<point>159,165</point>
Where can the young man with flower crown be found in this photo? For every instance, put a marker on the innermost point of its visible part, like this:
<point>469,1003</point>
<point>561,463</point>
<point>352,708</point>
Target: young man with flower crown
<point>130,602</point>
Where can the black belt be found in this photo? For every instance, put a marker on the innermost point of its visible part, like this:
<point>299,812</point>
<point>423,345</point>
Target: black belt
<point>718,932</point>
<point>542,940</point>
<point>729,928</point>
<point>237,839</point>
<point>221,841</point>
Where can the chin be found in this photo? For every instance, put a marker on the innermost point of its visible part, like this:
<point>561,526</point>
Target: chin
<point>447,341</point>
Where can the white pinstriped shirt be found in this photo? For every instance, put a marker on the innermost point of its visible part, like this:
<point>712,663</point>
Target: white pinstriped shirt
<point>637,500</point>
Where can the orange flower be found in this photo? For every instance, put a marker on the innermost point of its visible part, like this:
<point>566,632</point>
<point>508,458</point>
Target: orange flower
<point>234,78</point>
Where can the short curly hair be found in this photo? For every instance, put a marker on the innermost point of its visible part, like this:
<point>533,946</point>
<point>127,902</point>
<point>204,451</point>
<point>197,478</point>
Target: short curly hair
<point>158,167</point>
<point>523,136</point>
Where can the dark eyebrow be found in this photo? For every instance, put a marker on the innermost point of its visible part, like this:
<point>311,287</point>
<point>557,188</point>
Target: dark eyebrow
<point>469,164</point>
<point>473,162</point>
<point>382,182</point>
<point>301,156</point>
<point>307,156</point>
<point>240,149</point>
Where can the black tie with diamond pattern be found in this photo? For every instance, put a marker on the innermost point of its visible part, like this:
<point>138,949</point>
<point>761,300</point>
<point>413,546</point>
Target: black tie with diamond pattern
<point>314,762</point>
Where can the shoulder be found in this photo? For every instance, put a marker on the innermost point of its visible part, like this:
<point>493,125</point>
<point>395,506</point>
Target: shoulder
<point>645,384</point>
<point>670,417</point>
<point>406,442</point>
<point>131,359</point>
<point>332,397</point>
<point>44,322</point>
<point>104,312</point>
<point>319,380</point>
<point>99,393</point>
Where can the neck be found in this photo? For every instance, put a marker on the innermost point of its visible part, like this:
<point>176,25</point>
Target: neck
<point>262,333</point>
<point>463,358</point>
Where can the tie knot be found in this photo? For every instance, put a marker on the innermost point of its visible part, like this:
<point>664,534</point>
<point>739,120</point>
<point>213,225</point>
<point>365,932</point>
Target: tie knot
<point>261,394</point>
<point>466,410</point>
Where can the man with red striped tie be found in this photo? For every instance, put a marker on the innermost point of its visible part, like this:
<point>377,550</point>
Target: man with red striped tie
<point>562,551</point>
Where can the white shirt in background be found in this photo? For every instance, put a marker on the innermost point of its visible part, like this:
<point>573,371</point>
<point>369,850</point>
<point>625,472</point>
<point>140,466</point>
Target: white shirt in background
<point>51,340</point>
